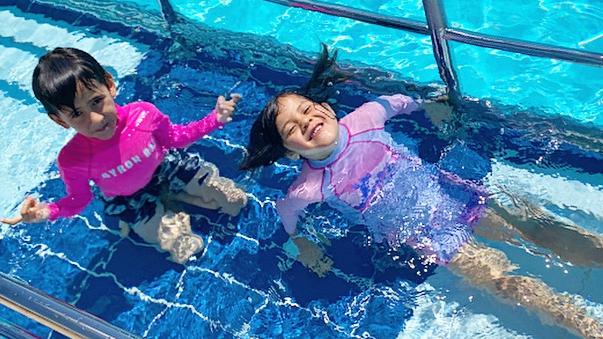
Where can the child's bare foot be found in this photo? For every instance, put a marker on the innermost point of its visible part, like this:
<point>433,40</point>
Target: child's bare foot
<point>231,198</point>
<point>176,237</point>
<point>186,246</point>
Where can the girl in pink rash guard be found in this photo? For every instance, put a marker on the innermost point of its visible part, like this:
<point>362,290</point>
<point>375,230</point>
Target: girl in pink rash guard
<point>356,167</point>
<point>126,151</point>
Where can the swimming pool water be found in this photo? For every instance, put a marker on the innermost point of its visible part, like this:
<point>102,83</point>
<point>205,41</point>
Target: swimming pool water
<point>556,87</point>
<point>245,285</point>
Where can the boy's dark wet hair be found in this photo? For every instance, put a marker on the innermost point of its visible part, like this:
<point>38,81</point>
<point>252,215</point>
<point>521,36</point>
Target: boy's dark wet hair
<point>60,72</point>
<point>265,143</point>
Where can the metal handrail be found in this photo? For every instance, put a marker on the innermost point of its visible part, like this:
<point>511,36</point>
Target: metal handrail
<point>459,35</point>
<point>524,47</point>
<point>53,313</point>
<point>439,31</point>
<point>436,21</point>
<point>12,331</point>
<point>356,14</point>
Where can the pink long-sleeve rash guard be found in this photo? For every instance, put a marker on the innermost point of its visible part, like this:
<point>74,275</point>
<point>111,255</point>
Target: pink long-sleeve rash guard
<point>125,163</point>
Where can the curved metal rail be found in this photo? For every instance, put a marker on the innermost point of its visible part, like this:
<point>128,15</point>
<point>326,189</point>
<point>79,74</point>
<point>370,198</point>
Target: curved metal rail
<point>53,313</point>
<point>440,33</point>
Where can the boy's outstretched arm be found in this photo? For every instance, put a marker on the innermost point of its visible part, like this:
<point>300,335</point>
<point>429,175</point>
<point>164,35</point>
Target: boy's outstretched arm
<point>179,136</point>
<point>77,198</point>
<point>32,211</point>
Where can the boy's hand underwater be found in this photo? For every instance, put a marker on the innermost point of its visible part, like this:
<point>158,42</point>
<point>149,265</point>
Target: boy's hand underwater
<point>224,109</point>
<point>32,211</point>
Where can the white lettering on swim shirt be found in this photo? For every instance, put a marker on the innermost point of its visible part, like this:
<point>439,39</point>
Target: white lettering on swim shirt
<point>130,163</point>
<point>147,151</point>
<point>143,115</point>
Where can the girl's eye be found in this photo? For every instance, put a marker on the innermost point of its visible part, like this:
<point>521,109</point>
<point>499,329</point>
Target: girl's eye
<point>97,101</point>
<point>291,130</point>
<point>307,109</point>
<point>75,113</point>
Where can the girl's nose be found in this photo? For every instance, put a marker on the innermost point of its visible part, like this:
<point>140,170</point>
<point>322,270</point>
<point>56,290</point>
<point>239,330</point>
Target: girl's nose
<point>306,122</point>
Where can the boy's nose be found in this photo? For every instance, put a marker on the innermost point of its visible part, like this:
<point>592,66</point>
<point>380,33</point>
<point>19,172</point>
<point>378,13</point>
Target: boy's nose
<point>97,116</point>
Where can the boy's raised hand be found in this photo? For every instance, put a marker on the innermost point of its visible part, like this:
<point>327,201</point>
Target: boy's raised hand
<point>31,211</point>
<point>224,109</point>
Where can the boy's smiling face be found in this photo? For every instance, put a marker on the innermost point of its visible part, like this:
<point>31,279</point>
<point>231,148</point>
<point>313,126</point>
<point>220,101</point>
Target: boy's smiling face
<point>307,128</point>
<point>95,114</point>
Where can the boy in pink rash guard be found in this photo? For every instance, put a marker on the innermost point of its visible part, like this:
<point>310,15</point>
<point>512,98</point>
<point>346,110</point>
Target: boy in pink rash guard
<point>356,167</point>
<point>125,163</point>
<point>127,151</point>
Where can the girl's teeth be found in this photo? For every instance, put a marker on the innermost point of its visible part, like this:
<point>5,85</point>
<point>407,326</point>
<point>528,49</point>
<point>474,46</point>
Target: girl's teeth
<point>316,130</point>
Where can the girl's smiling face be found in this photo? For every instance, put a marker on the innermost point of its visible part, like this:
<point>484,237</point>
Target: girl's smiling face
<point>307,128</point>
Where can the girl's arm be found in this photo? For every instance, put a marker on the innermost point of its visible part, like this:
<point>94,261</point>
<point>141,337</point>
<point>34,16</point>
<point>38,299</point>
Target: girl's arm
<point>290,209</point>
<point>395,105</point>
<point>304,191</point>
<point>374,114</point>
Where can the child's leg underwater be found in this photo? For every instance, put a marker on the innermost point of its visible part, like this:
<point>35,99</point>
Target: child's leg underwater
<point>213,191</point>
<point>570,242</point>
<point>489,269</point>
<point>171,233</point>
<point>195,200</point>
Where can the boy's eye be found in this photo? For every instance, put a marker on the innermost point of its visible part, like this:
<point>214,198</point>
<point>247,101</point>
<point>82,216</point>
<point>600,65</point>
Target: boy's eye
<point>75,113</point>
<point>97,100</point>
<point>307,109</point>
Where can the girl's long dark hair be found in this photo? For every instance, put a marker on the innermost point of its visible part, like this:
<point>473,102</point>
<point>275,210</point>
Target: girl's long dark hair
<point>265,143</point>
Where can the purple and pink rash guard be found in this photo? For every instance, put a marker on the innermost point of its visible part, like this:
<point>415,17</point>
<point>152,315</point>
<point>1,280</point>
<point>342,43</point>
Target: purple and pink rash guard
<point>409,207</point>
<point>125,163</point>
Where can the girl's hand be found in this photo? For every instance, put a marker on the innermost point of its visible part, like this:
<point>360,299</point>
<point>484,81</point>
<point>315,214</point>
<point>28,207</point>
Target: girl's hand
<point>224,109</point>
<point>32,211</point>
<point>311,256</point>
<point>438,110</point>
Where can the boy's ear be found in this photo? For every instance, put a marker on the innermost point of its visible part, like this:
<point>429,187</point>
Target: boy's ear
<point>111,84</point>
<point>292,155</point>
<point>59,121</point>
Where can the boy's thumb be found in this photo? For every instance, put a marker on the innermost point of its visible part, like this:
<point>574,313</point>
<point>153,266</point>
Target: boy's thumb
<point>235,97</point>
